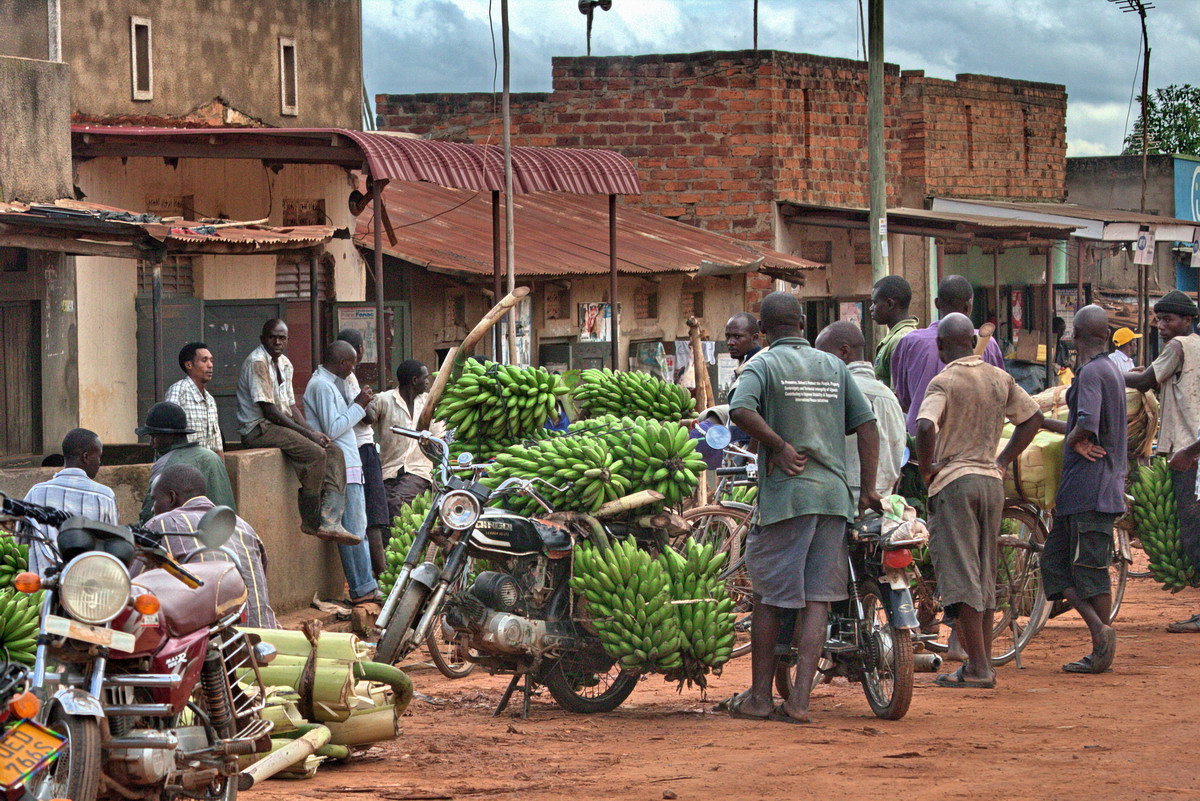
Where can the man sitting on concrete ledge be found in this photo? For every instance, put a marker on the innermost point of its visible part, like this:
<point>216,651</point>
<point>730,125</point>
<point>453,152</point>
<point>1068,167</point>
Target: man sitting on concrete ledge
<point>166,424</point>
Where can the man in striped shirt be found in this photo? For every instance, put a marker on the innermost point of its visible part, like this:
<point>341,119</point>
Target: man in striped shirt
<point>179,503</point>
<point>73,490</point>
<point>189,393</point>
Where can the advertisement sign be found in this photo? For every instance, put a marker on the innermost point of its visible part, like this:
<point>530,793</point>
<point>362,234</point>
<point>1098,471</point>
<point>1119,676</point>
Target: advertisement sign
<point>1143,248</point>
<point>851,311</point>
<point>1187,189</point>
<point>1018,309</point>
<point>361,319</point>
<point>595,322</point>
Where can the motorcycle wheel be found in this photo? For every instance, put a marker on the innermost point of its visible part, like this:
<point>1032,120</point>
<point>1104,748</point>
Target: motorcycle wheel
<point>444,654</point>
<point>75,774</point>
<point>574,692</point>
<point>889,685</point>
<point>402,620</point>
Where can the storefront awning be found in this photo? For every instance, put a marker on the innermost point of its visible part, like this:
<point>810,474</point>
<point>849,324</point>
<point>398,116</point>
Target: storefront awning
<point>941,224</point>
<point>1104,225</point>
<point>450,231</point>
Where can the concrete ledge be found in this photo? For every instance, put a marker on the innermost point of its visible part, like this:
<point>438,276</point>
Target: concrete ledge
<point>264,486</point>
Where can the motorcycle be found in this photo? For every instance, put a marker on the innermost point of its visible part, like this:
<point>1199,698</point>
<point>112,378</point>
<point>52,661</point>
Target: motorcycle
<point>518,617</point>
<point>152,686</point>
<point>26,747</point>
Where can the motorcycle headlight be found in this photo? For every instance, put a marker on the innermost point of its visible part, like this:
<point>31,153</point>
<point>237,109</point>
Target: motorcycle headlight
<point>94,587</point>
<point>459,510</point>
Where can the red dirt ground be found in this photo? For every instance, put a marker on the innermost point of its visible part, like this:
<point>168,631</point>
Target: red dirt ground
<point>1042,734</point>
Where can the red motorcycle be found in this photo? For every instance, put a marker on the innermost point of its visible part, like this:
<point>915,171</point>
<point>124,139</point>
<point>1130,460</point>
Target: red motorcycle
<point>149,681</point>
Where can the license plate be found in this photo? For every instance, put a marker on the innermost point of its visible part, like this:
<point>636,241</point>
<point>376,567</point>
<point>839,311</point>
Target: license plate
<point>96,635</point>
<point>25,749</point>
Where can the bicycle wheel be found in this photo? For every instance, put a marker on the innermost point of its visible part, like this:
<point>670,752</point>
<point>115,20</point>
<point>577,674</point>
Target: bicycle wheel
<point>1118,570</point>
<point>1020,601</point>
<point>1138,563</point>
<point>725,527</point>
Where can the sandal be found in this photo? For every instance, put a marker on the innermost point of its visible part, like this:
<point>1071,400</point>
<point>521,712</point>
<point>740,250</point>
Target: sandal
<point>734,708</point>
<point>1189,626</point>
<point>1085,665</point>
<point>959,679</point>
<point>780,715</point>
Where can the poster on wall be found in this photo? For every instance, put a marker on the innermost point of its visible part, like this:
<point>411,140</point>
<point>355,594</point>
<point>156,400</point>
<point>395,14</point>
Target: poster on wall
<point>524,333</point>
<point>595,322</point>
<point>1065,306</point>
<point>361,319</point>
<point>649,357</point>
<point>851,311</point>
<point>1018,309</point>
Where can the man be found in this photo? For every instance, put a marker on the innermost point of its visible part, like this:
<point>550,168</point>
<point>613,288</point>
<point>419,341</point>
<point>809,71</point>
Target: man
<point>1176,374</point>
<point>189,393</point>
<point>890,299</point>
<point>330,408</point>
<point>844,340</point>
<point>378,519</point>
<point>741,337</point>
<point>1062,351</point>
<point>179,503</point>
<point>1091,495</point>
<point>958,425</point>
<point>268,417</point>
<point>915,360</point>
<point>798,404</point>
<point>1124,346</point>
<point>72,490</point>
<point>406,470</point>
<point>166,425</point>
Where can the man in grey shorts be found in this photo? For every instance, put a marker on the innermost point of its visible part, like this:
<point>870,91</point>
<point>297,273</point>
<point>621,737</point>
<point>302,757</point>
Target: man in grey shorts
<point>959,425</point>
<point>799,404</point>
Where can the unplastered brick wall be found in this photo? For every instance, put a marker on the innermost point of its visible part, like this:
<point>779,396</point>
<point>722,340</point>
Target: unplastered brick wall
<point>984,137</point>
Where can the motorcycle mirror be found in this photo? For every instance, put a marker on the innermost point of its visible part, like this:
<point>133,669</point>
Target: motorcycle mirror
<point>718,437</point>
<point>217,526</point>
<point>465,459</point>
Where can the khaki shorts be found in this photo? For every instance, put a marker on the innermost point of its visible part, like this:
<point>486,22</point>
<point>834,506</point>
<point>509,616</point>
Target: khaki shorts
<point>964,531</point>
<point>800,559</point>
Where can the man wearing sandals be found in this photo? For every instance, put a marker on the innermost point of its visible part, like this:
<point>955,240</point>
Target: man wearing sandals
<point>798,404</point>
<point>1176,375</point>
<point>958,425</point>
<point>1091,495</point>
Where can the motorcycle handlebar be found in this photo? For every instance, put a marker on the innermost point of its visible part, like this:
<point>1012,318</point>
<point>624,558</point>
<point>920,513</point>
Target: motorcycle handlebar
<point>731,471</point>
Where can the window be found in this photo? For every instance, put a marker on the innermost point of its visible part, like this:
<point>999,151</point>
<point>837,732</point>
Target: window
<point>292,278</point>
<point>691,303</point>
<point>288,102</point>
<point>454,312</point>
<point>645,305</point>
<point>176,276</point>
<point>141,63</point>
<point>309,211</point>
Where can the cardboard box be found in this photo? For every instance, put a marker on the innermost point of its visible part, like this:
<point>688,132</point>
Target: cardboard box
<point>1028,349</point>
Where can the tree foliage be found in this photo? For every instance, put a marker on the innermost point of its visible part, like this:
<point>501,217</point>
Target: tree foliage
<point>1174,114</point>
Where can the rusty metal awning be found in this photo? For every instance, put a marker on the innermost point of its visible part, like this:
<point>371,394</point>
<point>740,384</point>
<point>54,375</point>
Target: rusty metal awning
<point>931,223</point>
<point>383,156</point>
<point>450,231</point>
<point>82,228</point>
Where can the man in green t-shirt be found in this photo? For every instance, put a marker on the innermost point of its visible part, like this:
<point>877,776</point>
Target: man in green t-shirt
<point>799,404</point>
<point>890,298</point>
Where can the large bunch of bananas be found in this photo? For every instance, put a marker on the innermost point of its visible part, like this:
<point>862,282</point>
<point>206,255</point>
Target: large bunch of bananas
<point>1156,518</point>
<point>19,623</point>
<point>631,394</point>
<point>404,531</point>
<point>704,608</point>
<point>663,457</point>
<point>499,403</point>
<point>14,559</point>
<point>628,599</point>
<point>582,472</point>
<point>744,493</point>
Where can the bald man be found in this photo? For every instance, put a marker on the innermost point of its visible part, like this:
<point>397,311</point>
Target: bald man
<point>915,359</point>
<point>959,423</point>
<point>844,340</point>
<point>1091,495</point>
<point>179,504</point>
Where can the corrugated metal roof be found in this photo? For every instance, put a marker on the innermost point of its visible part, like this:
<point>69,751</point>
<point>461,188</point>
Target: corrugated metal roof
<point>952,222</point>
<point>1083,212</point>
<point>449,230</point>
<point>391,157</point>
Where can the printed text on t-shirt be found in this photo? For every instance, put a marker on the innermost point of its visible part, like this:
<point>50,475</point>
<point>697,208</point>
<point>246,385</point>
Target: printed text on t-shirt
<point>810,391</point>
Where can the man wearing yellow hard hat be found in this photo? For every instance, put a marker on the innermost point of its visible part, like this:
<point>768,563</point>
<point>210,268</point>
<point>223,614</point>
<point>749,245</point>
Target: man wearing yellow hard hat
<point>1124,344</point>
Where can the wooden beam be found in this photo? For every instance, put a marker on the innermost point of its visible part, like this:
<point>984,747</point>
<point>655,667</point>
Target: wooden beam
<point>70,246</point>
<point>277,153</point>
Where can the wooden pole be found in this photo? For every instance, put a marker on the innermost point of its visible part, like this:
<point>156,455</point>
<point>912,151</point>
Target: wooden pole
<point>381,354</point>
<point>509,226</point>
<point>314,311</point>
<point>156,309</point>
<point>996,285</point>
<point>497,271</point>
<point>877,168</point>
<point>1050,373</point>
<point>614,317</point>
<point>1078,274</point>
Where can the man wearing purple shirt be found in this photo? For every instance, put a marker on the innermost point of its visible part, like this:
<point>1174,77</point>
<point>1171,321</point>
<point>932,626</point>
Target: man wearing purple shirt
<point>915,361</point>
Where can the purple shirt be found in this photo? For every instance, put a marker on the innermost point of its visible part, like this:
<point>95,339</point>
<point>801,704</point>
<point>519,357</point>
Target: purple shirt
<point>1096,403</point>
<point>914,364</point>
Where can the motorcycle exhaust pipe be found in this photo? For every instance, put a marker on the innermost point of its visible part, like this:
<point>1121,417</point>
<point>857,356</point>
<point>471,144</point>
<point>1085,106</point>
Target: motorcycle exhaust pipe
<point>927,663</point>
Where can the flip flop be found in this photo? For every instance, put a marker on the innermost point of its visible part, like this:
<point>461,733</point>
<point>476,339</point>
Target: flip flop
<point>1103,656</point>
<point>734,708</point>
<point>1189,626</point>
<point>780,716</point>
<point>960,680</point>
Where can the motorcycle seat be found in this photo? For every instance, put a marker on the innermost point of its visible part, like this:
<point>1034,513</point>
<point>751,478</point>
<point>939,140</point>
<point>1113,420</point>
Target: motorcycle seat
<point>184,609</point>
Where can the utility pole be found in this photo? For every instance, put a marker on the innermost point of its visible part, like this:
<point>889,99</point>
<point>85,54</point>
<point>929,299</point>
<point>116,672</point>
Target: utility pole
<point>509,227</point>
<point>875,151</point>
<point>755,26</point>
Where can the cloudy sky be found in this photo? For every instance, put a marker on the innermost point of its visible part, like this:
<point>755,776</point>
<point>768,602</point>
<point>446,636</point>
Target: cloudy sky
<point>1088,45</point>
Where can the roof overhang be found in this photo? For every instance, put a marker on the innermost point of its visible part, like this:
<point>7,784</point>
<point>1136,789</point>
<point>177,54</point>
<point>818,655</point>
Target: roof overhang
<point>1102,225</point>
<point>948,225</point>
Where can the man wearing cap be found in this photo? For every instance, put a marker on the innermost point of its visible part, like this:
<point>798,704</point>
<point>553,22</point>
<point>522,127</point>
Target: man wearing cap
<point>1124,344</point>
<point>166,425</point>
<point>1176,375</point>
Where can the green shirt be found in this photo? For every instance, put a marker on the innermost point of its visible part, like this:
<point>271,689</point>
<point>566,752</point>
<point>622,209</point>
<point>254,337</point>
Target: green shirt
<point>210,465</point>
<point>887,345</point>
<point>809,399</point>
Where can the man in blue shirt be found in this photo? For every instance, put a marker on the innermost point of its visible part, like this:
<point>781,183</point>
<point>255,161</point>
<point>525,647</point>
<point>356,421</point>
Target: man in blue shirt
<point>328,407</point>
<point>1092,494</point>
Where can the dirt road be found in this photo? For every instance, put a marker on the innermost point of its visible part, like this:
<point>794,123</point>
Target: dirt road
<point>1041,734</point>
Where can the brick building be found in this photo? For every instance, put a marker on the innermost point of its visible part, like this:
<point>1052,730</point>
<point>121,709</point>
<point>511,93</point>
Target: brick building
<point>721,138</point>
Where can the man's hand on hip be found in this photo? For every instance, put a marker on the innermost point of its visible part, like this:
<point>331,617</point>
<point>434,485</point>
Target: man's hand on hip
<point>788,460</point>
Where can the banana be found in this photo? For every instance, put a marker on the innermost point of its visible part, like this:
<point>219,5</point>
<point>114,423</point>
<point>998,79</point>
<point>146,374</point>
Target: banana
<point>1154,514</point>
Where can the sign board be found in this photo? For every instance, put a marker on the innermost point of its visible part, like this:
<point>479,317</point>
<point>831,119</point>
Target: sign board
<point>1187,189</point>
<point>1018,309</point>
<point>1143,248</point>
<point>595,322</point>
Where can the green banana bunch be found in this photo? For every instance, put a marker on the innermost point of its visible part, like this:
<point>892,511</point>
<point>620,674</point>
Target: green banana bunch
<point>587,473</point>
<point>663,457</point>
<point>1156,518</point>
<point>499,403</point>
<point>403,532</point>
<point>14,559</point>
<point>744,493</point>
<point>628,598</point>
<point>606,392</point>
<point>19,624</point>
<point>706,611</point>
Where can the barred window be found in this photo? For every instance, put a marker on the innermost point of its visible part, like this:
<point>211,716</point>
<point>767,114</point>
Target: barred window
<point>645,305</point>
<point>292,278</point>
<point>691,304</point>
<point>176,276</point>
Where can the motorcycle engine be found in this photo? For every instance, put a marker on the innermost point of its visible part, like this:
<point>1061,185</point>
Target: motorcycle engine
<point>490,615</point>
<point>148,765</point>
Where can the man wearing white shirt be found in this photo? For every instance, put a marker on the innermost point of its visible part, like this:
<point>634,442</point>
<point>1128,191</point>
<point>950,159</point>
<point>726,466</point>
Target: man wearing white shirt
<point>1124,342</point>
<point>406,470</point>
